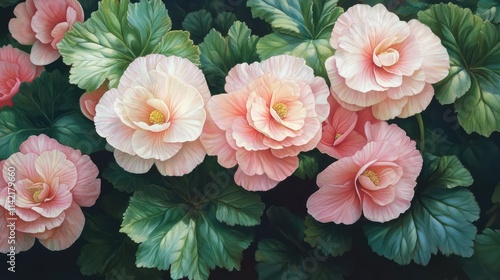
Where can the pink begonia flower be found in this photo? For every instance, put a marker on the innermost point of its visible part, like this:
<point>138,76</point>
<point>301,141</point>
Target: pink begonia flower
<point>378,180</point>
<point>156,115</point>
<point>43,23</point>
<point>383,63</point>
<point>343,131</point>
<point>271,112</point>
<point>52,182</point>
<point>15,68</point>
<point>89,100</point>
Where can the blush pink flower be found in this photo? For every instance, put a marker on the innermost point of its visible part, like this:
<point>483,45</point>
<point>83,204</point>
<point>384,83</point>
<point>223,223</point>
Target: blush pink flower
<point>52,182</point>
<point>378,180</point>
<point>156,115</point>
<point>271,112</point>
<point>43,23</point>
<point>343,131</point>
<point>89,100</point>
<point>383,63</point>
<point>15,68</point>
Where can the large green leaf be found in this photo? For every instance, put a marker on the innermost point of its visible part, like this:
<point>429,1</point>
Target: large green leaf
<point>489,10</point>
<point>14,131</point>
<point>301,28</point>
<point>103,46</point>
<point>128,182</point>
<point>193,224</point>
<point>198,24</point>
<point>474,48</point>
<point>109,252</point>
<point>330,238</point>
<point>219,54</point>
<point>447,172</point>
<point>483,264</point>
<point>288,257</point>
<point>47,105</point>
<point>439,219</point>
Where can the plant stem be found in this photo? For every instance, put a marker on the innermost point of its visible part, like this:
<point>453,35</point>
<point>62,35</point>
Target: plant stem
<point>421,144</point>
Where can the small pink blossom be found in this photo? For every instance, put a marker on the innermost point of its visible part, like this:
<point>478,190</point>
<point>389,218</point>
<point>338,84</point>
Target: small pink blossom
<point>89,100</point>
<point>43,23</point>
<point>378,180</point>
<point>52,182</point>
<point>383,63</point>
<point>271,112</point>
<point>15,68</point>
<point>156,115</point>
<point>343,131</point>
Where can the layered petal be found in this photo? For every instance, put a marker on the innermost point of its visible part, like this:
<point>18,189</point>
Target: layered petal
<point>67,233</point>
<point>20,25</point>
<point>254,182</point>
<point>132,163</point>
<point>189,156</point>
<point>335,203</point>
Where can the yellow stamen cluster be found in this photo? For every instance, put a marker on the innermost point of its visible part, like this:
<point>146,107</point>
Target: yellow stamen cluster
<point>337,136</point>
<point>36,194</point>
<point>280,109</point>
<point>156,117</point>
<point>372,176</point>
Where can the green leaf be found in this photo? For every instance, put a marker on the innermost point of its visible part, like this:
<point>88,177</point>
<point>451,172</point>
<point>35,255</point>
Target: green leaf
<point>474,48</point>
<point>495,198</point>
<point>448,173</point>
<point>484,263</point>
<point>406,10</point>
<point>76,131</point>
<point>234,207</point>
<point>128,182</point>
<point>330,238</point>
<point>288,225</point>
<point>177,43</point>
<point>219,54</point>
<point>13,132</point>
<point>103,46</point>
<point>109,252</point>
<point>301,28</point>
<point>193,224</point>
<point>198,24</point>
<point>489,10</point>
<point>277,260</point>
<point>47,105</point>
<point>7,3</point>
<point>439,219</point>
<point>308,165</point>
<point>224,21</point>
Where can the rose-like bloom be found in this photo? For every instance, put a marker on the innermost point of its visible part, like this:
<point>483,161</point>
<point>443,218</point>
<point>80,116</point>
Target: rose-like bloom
<point>52,182</point>
<point>156,115</point>
<point>271,112</point>
<point>384,63</point>
<point>43,23</point>
<point>343,131</point>
<point>378,180</point>
<point>15,68</point>
<point>89,100</point>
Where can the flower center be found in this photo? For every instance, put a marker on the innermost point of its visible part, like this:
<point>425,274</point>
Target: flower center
<point>389,57</point>
<point>38,189</point>
<point>372,176</point>
<point>280,109</point>
<point>156,117</point>
<point>337,136</point>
